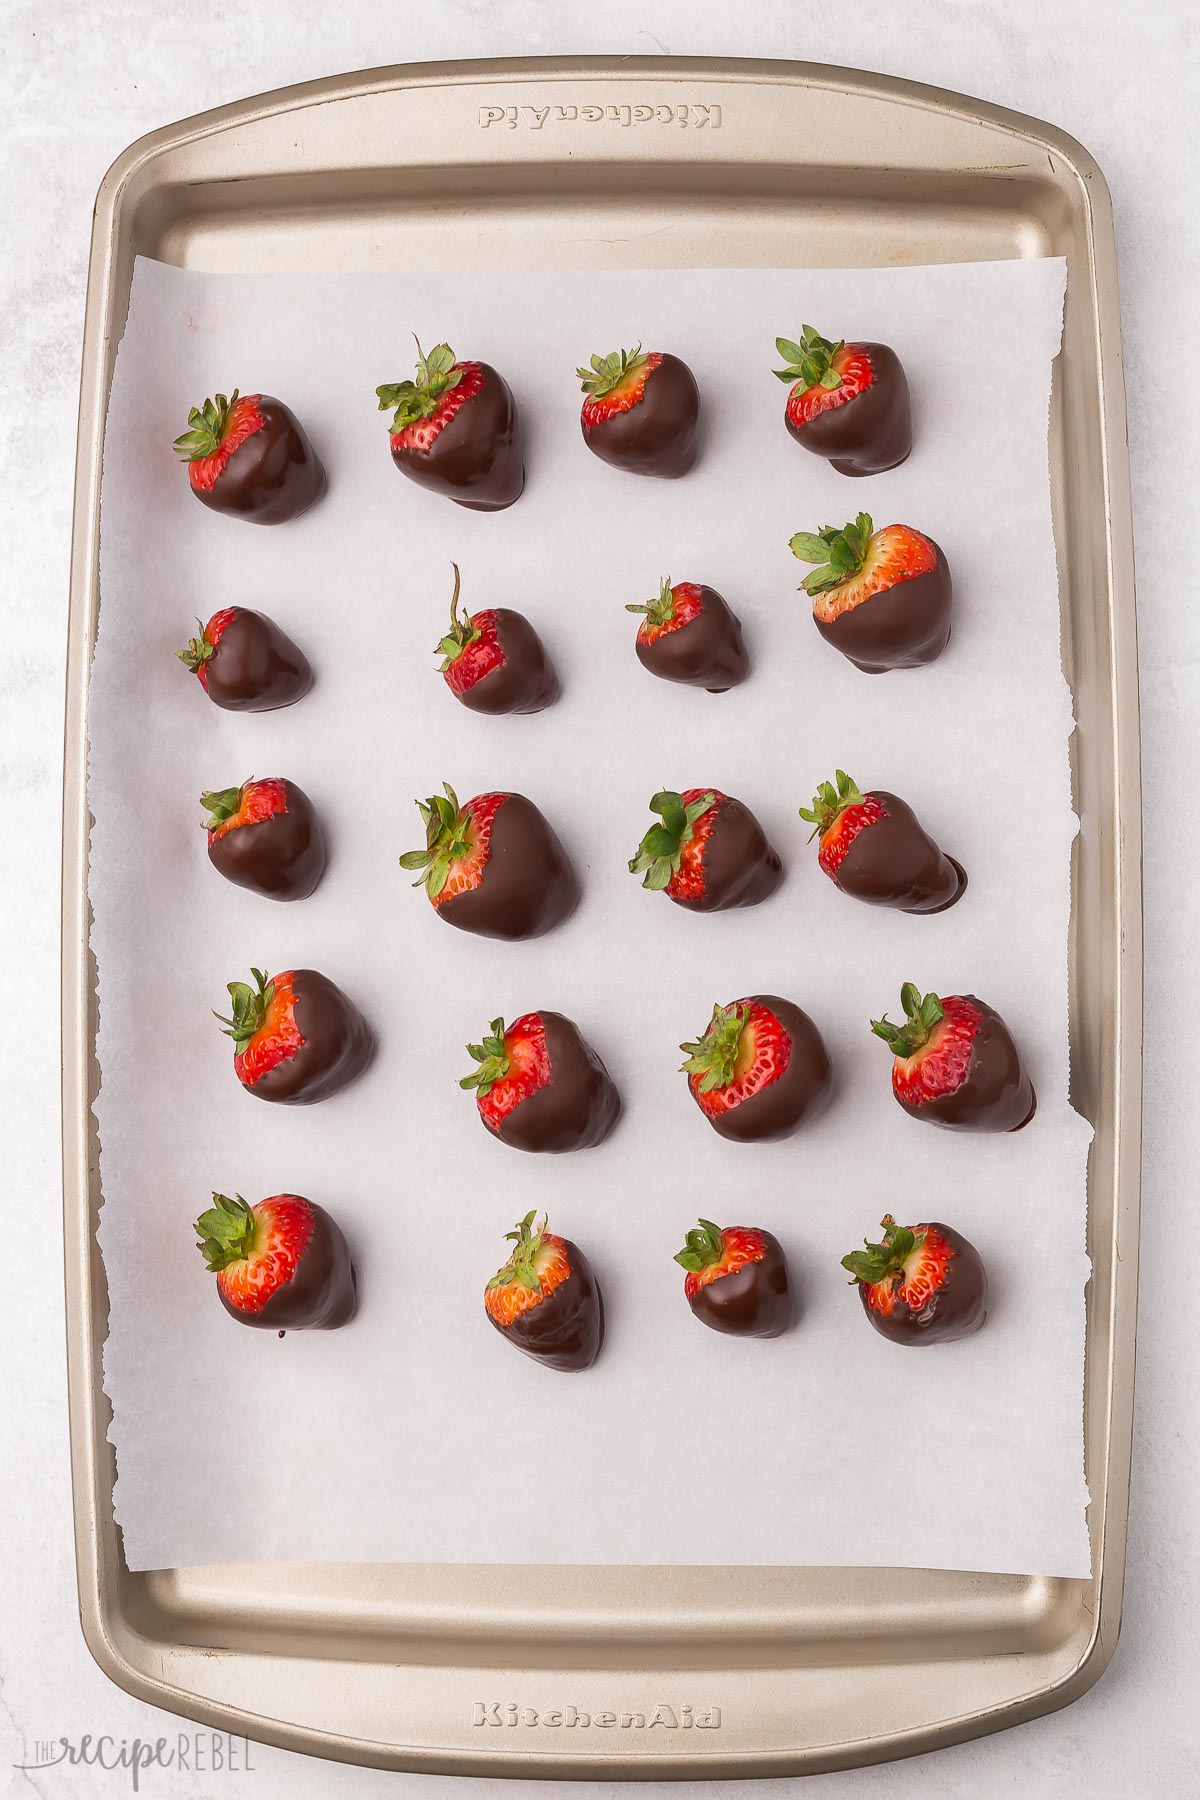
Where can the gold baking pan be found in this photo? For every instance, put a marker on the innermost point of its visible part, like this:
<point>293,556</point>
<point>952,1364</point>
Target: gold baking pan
<point>603,163</point>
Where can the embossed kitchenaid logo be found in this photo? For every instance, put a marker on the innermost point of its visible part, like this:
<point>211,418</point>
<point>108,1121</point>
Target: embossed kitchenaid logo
<point>668,1718</point>
<point>688,115</point>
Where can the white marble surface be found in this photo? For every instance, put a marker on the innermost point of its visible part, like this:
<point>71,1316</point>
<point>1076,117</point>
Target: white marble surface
<point>78,83</point>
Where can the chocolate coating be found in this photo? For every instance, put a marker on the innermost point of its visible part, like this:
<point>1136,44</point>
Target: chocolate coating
<point>525,682</point>
<point>566,1330</point>
<point>528,886</point>
<point>658,436</point>
<point>739,866</point>
<point>801,1093</point>
<point>996,1094</point>
<point>323,1292</point>
<point>578,1106</point>
<point>753,1301</point>
<point>282,857</point>
<point>476,459</point>
<point>255,666</point>
<point>273,476</point>
<point>958,1308</point>
<point>707,652</point>
<point>338,1045</point>
<point>895,862</point>
<point>870,433</point>
<point>904,627</point>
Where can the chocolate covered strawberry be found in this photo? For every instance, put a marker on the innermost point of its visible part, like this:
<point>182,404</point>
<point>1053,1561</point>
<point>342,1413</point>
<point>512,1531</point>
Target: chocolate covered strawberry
<point>641,412</point>
<point>737,1280</point>
<point>245,663</point>
<point>708,853</point>
<point>495,662</point>
<point>493,866</point>
<point>282,1265</point>
<point>546,1301</point>
<point>873,846</point>
<point>540,1086</point>
<point>249,456</point>
<point>846,402</point>
<point>924,1284</point>
<point>454,431</point>
<point>760,1071</point>
<point>266,836</point>
<point>296,1037</point>
<point>882,598</point>
<point>689,634</point>
<point>956,1063</point>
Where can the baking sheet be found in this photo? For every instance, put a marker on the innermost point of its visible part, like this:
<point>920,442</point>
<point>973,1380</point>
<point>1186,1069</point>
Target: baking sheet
<point>829,1446</point>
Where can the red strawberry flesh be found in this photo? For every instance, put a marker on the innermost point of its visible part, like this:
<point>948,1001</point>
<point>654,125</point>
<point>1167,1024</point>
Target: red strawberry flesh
<point>940,1065</point>
<point>852,365</point>
<point>538,1266</point>
<point>740,1245</point>
<point>256,802</point>
<point>271,1238</point>
<point>420,435</point>
<point>624,396</point>
<point>241,421</point>
<point>744,1050</point>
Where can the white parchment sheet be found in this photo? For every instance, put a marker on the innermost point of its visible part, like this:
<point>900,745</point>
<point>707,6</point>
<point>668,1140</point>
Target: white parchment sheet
<point>416,1434</point>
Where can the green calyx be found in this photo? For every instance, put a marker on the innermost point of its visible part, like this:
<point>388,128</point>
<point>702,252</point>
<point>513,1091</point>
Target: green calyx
<point>227,1232</point>
<point>522,1262</point>
<point>921,1014</point>
<point>839,554</point>
<point>877,1261</point>
<point>702,1248</point>
<point>198,650</point>
<point>448,829</point>
<point>492,1058</point>
<point>249,1008</point>
<point>810,361</point>
<point>715,1057</point>
<point>662,610</point>
<point>414,400</point>
<point>461,632</point>
<point>608,372</point>
<point>222,805</point>
<point>662,847</point>
<point>207,426</point>
<point>828,802</point>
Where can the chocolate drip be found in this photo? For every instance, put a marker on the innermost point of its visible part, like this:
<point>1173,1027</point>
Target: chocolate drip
<point>894,862</point>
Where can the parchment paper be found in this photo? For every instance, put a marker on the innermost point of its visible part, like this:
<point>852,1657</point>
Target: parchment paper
<point>415,1434</point>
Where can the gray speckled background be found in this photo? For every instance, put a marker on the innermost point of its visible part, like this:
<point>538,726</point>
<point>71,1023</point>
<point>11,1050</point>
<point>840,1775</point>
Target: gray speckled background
<point>77,83</point>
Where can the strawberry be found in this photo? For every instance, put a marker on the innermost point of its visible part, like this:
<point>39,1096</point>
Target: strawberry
<point>245,663</point>
<point>280,1265</point>
<point>737,1280</point>
<point>923,1284</point>
<point>297,1038</point>
<point>760,1070</point>
<point>956,1063</point>
<point>265,836</point>
<point>708,853</point>
<point>546,1300</point>
<point>495,662</point>
<point>882,598</point>
<point>540,1086</point>
<point>493,866</point>
<point>641,412</point>
<point>847,402</point>
<point>874,847</point>
<point>454,431</point>
<point>249,456</point>
<point>689,634</point>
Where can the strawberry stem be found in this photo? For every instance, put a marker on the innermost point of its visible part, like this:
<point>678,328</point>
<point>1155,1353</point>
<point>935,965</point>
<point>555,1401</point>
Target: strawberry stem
<point>839,554</point>
<point>829,802</point>
<point>207,426</point>
<point>701,1248</point>
<point>921,1014</point>
<point>461,633</point>
<point>877,1261</point>
<point>659,611</point>
<point>198,650</point>
<point>437,373</point>
<point>715,1057</point>
<point>492,1057</point>
<point>249,1009</point>
<point>810,362</point>
<point>448,829</point>
<point>661,850</point>
<point>608,372</point>
<point>222,805</point>
<point>522,1263</point>
<point>227,1232</point>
